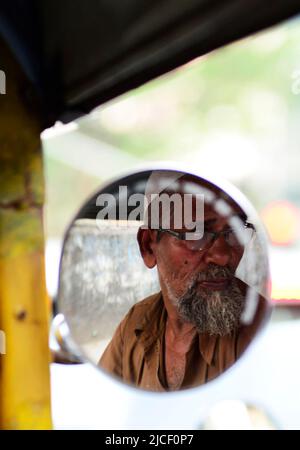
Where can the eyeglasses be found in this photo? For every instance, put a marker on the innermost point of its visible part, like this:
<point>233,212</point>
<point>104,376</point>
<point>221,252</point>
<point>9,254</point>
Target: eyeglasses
<point>234,237</point>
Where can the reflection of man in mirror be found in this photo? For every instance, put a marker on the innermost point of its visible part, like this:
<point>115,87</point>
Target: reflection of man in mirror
<point>191,331</point>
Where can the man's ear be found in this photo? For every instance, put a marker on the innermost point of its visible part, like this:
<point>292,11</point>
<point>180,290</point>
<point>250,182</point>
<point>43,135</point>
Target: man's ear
<point>146,240</point>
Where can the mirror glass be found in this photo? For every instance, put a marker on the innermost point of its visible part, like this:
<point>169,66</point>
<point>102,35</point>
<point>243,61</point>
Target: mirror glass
<point>164,279</point>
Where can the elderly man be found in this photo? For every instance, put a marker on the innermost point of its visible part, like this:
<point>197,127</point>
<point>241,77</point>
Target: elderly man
<point>191,331</point>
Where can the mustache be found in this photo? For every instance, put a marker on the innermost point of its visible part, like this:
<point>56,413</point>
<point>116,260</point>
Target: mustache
<point>213,272</point>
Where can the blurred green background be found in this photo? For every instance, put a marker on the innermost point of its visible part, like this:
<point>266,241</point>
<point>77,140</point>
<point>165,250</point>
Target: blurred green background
<point>234,113</point>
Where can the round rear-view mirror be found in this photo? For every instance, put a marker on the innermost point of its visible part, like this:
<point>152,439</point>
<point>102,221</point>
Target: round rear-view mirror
<point>164,279</point>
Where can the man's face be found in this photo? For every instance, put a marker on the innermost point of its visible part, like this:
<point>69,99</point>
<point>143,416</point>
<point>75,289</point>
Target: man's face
<point>201,283</point>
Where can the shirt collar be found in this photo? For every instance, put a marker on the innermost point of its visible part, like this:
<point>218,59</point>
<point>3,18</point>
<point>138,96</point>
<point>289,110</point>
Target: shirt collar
<point>151,325</point>
<point>207,347</point>
<point>150,329</point>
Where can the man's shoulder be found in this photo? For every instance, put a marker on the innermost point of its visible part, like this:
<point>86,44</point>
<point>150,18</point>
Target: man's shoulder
<point>148,301</point>
<point>142,310</point>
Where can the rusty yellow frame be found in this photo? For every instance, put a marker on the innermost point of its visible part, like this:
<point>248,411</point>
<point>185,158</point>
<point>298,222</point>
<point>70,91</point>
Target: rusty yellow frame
<point>24,310</point>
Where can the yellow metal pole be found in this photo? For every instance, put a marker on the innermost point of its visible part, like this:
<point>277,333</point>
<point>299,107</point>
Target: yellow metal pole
<point>24,368</point>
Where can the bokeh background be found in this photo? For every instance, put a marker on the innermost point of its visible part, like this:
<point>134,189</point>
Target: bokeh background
<point>234,113</point>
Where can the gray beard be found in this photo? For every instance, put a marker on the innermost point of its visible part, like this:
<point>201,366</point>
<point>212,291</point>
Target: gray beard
<point>212,312</point>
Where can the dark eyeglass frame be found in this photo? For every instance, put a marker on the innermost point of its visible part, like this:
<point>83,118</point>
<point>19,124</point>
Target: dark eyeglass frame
<point>214,235</point>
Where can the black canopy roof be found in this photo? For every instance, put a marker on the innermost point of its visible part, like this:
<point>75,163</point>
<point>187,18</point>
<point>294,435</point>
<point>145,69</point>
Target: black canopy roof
<point>79,54</point>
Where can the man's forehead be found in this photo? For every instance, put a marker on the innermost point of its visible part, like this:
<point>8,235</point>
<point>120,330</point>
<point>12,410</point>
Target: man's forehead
<point>210,216</point>
<point>198,201</point>
<point>222,209</point>
<point>218,209</point>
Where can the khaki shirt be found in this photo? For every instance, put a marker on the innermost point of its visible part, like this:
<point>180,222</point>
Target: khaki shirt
<point>136,351</point>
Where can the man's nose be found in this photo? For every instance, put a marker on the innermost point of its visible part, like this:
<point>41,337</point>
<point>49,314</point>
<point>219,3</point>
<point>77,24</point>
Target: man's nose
<point>218,253</point>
